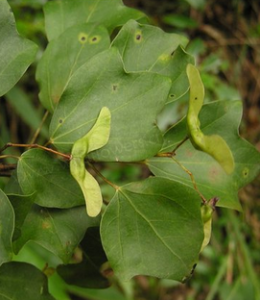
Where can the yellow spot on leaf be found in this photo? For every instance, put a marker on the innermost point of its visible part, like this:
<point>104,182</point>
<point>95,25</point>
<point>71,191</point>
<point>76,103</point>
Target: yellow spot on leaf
<point>138,36</point>
<point>46,225</point>
<point>83,38</point>
<point>164,57</point>
<point>95,39</point>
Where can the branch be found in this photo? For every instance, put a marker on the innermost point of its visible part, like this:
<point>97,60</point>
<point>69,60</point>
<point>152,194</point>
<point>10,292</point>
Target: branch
<point>8,145</point>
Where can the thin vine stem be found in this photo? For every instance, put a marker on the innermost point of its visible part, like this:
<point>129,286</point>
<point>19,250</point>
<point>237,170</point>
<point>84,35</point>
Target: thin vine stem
<point>165,154</point>
<point>180,143</point>
<point>102,176</point>
<point>8,145</point>
<point>204,200</point>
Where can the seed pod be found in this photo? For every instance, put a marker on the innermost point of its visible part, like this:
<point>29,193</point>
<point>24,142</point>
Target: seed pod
<point>96,138</point>
<point>214,145</point>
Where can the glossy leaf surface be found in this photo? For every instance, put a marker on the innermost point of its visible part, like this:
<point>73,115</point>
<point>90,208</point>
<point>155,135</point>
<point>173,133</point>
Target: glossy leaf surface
<point>6,228</point>
<point>23,281</point>
<point>148,48</point>
<point>60,15</point>
<point>49,179</point>
<point>100,82</point>
<point>78,44</point>
<point>144,226</point>
<point>223,118</point>
<point>16,52</point>
<point>59,231</point>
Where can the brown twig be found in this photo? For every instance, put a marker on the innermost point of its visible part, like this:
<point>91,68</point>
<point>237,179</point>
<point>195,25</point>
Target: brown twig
<point>103,177</point>
<point>8,145</point>
<point>204,200</point>
<point>180,143</point>
<point>166,154</point>
<point>7,167</point>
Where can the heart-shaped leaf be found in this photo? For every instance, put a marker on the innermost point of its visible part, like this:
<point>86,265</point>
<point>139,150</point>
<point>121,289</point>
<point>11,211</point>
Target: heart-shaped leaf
<point>59,231</point>
<point>95,139</point>
<point>78,44</point>
<point>148,48</point>
<point>223,118</point>
<point>16,53</point>
<point>6,228</point>
<point>60,15</point>
<point>153,227</point>
<point>100,82</point>
<point>20,280</point>
<point>49,179</point>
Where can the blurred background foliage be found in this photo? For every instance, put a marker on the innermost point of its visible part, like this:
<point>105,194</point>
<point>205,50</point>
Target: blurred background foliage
<point>225,40</point>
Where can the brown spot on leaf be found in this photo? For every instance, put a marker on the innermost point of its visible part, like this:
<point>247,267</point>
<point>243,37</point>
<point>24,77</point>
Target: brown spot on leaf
<point>214,173</point>
<point>188,153</point>
<point>46,225</point>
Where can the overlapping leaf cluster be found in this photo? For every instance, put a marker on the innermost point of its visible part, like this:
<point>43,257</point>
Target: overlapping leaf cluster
<point>99,56</point>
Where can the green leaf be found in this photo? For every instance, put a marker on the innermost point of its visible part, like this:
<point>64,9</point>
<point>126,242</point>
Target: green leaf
<point>24,107</point>
<point>180,21</point>
<point>59,231</point>
<point>148,48</point>
<point>214,144</point>
<point>87,273</point>
<point>22,205</point>
<point>153,227</point>
<point>12,186</point>
<point>16,53</point>
<point>41,258</point>
<point>223,118</point>
<point>6,228</point>
<point>49,179</point>
<point>96,138</point>
<point>23,281</point>
<point>60,15</point>
<point>111,293</point>
<point>100,82</point>
<point>77,44</point>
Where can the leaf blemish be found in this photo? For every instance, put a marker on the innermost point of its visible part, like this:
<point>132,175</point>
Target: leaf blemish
<point>114,87</point>
<point>82,37</point>
<point>94,39</point>
<point>138,36</point>
<point>245,172</point>
<point>60,121</point>
<point>46,225</point>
